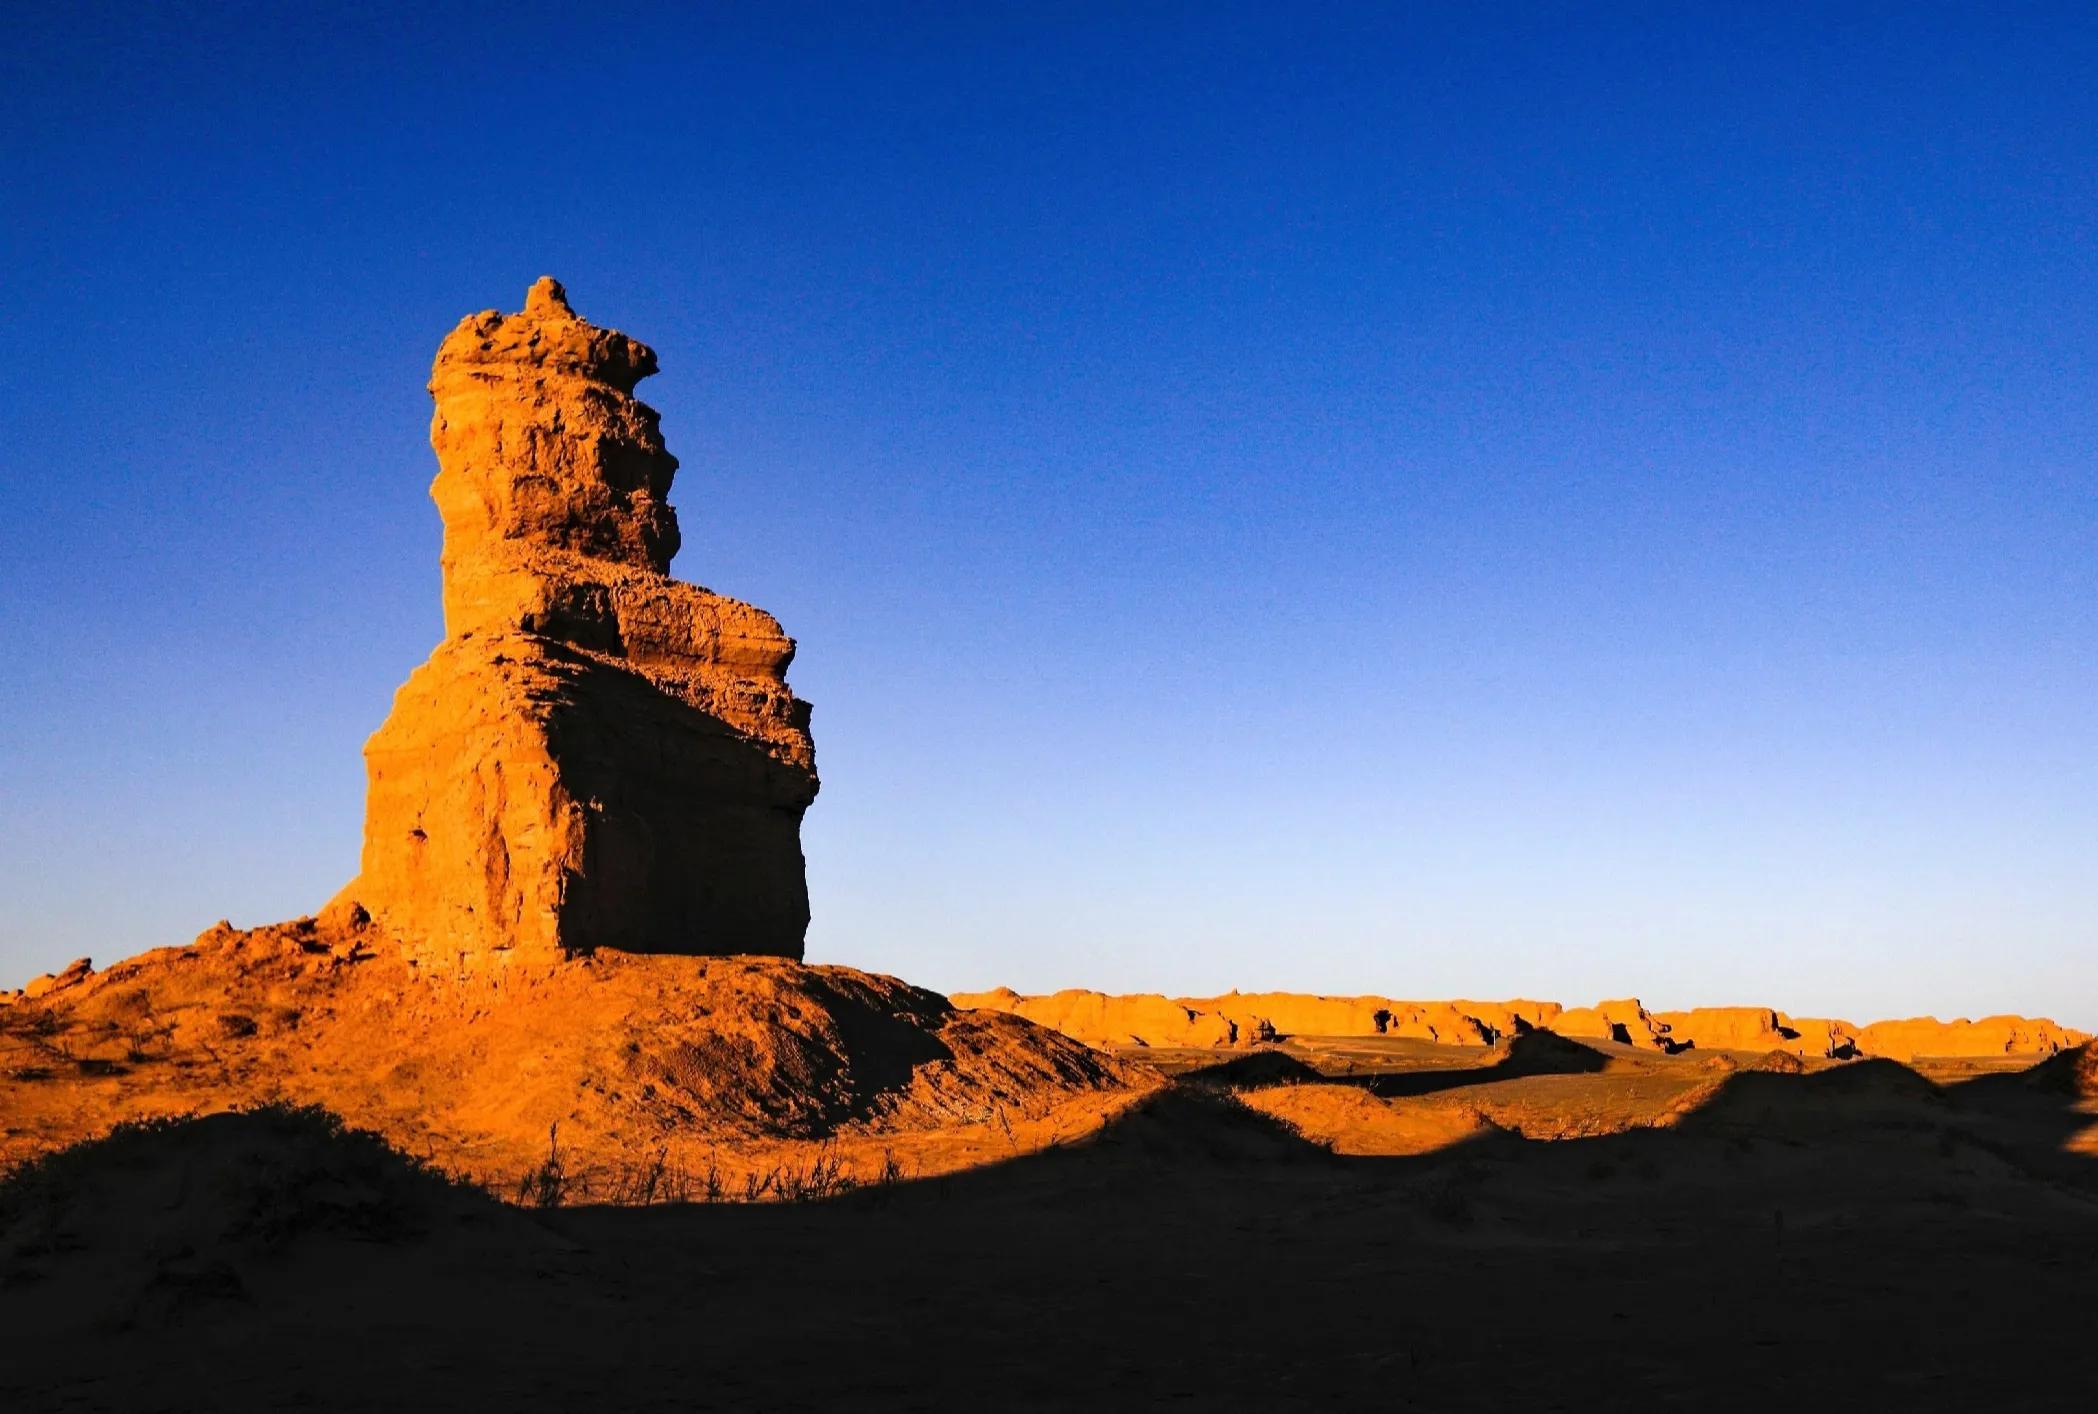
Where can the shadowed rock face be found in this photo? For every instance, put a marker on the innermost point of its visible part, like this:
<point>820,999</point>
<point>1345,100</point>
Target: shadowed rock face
<point>597,755</point>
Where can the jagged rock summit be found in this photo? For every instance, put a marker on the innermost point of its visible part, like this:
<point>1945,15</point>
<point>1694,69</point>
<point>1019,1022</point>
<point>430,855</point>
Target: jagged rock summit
<point>597,755</point>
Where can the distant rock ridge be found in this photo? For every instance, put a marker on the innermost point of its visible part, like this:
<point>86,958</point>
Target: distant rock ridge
<point>597,755</point>
<point>1243,1018</point>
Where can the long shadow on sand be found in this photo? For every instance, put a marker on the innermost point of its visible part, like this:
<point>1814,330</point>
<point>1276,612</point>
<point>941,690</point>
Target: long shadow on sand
<point>1535,1052</point>
<point>1857,1235</point>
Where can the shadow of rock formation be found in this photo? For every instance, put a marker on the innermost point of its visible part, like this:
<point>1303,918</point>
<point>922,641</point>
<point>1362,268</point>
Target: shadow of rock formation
<point>1910,1256</point>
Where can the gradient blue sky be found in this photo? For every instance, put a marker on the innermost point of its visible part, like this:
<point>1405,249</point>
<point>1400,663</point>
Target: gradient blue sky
<point>1549,500</point>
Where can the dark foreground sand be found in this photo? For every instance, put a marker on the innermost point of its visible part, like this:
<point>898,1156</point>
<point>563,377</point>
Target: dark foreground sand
<point>1861,1238</point>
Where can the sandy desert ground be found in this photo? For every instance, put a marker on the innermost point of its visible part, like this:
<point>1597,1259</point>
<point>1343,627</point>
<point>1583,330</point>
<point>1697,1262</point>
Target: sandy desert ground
<point>1549,1224</point>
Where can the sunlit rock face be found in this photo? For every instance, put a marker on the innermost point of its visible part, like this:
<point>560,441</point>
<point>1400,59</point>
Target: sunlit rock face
<point>597,755</point>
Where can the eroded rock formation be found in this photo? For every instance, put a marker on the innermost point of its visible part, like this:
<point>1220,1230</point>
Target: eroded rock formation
<point>597,755</point>
<point>1241,1018</point>
<point>597,770</point>
<point>1244,1018</point>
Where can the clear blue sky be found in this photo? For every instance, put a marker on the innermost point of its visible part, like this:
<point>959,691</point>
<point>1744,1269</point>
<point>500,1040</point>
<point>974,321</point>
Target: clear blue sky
<point>1440,500</point>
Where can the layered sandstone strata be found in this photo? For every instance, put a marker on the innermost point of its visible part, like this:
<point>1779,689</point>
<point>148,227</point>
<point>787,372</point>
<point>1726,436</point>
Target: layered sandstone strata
<point>597,755</point>
<point>1242,1018</point>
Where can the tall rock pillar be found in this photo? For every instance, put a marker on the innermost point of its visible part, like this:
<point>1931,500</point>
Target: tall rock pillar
<point>597,755</point>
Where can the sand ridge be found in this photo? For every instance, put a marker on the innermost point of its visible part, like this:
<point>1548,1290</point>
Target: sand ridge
<point>611,1060</point>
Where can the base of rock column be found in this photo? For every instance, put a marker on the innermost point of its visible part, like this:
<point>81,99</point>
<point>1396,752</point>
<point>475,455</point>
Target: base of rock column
<point>542,800</point>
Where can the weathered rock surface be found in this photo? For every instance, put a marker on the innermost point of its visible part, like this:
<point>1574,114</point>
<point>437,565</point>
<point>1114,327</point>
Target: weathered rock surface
<point>72,974</point>
<point>597,755</point>
<point>1990,1036</point>
<point>598,770</point>
<point>1625,1021</point>
<point>1763,1029</point>
<point>1244,1018</point>
<point>626,1053</point>
<point>1240,1018</point>
<point>1453,1023</point>
<point>1140,1020</point>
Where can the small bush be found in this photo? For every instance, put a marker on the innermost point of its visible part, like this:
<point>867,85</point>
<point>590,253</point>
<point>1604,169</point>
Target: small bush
<point>546,1184</point>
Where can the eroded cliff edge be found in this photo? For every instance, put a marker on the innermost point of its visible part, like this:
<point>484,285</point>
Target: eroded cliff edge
<point>1246,1018</point>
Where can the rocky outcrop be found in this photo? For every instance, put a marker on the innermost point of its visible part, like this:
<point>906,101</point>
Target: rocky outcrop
<point>71,975</point>
<point>1727,1028</point>
<point>589,794</point>
<point>597,755</point>
<point>1759,1029</point>
<point>1624,1021</point>
<point>1097,1019</point>
<point>1743,1028</point>
<point>1455,1023</point>
<point>1244,1018</point>
<point>1764,1029</point>
<point>1926,1036</point>
<point>1240,1018</point>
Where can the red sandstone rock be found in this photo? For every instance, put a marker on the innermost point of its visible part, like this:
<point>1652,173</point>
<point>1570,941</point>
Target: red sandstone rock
<point>1098,1019</point>
<point>72,974</point>
<point>1990,1036</point>
<point>1625,1021</point>
<point>1756,1029</point>
<point>597,755</point>
<point>1240,1017</point>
